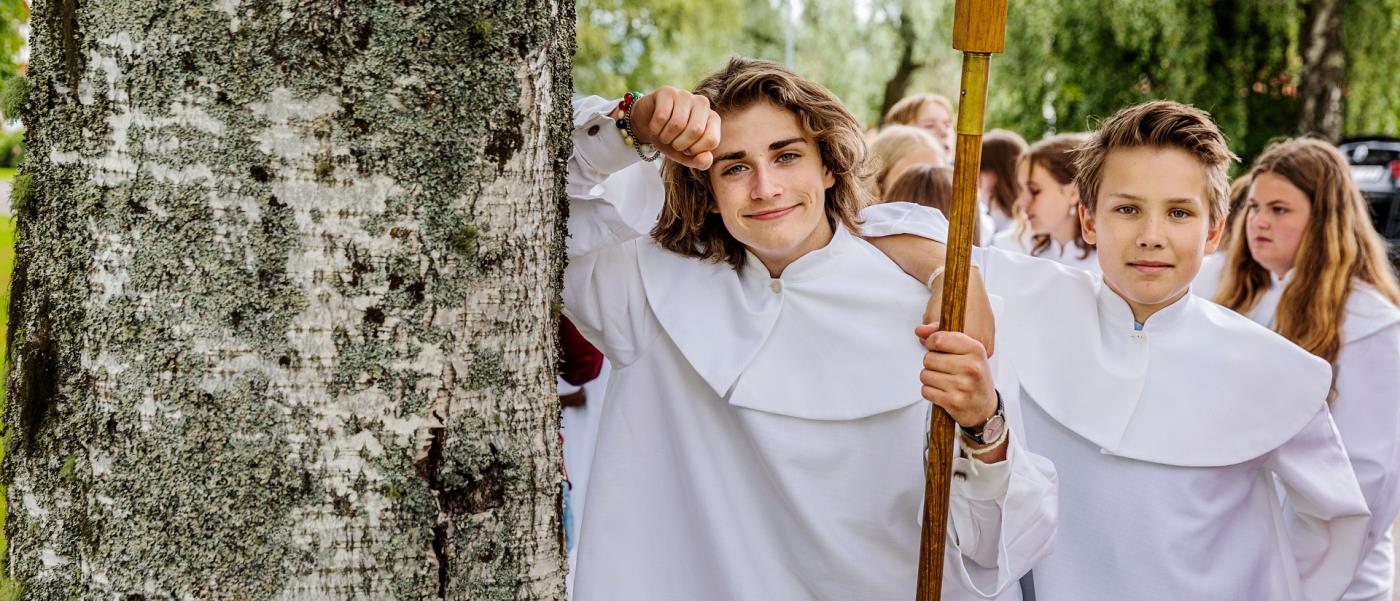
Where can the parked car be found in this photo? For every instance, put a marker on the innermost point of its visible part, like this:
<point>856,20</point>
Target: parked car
<point>1375,167</point>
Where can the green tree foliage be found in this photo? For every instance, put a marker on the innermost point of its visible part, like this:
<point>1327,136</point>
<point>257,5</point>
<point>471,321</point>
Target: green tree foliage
<point>1067,62</point>
<point>14,16</point>
<point>1372,31</point>
<point>851,47</point>
<point>641,44</point>
<point>1233,58</point>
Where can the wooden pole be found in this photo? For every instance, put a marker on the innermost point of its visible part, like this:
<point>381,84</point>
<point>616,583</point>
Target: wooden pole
<point>979,30</point>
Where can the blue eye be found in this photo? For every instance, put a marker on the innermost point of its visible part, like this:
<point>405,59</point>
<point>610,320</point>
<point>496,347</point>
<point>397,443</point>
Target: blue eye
<point>733,169</point>
<point>787,157</point>
<point>1179,214</point>
<point>1125,210</point>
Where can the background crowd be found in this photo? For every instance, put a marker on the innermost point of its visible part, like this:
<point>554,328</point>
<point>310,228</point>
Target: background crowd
<point>1301,253</point>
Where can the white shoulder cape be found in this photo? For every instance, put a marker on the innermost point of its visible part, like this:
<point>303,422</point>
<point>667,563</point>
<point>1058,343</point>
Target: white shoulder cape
<point>745,334</point>
<point>1199,386</point>
<point>1367,312</point>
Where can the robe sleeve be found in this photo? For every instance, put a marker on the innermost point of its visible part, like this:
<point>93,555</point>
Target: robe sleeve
<point>1002,516</point>
<point>892,218</point>
<point>613,202</point>
<point>1324,513</point>
<point>1002,519</point>
<point>1367,412</point>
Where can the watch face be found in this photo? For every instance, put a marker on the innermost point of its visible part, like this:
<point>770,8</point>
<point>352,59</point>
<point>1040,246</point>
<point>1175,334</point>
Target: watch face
<point>994,428</point>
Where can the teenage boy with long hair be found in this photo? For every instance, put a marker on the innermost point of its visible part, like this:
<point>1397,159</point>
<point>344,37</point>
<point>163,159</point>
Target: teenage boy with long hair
<point>763,436</point>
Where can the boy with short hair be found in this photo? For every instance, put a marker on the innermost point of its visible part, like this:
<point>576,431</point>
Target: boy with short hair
<point>1174,424</point>
<point>762,437</point>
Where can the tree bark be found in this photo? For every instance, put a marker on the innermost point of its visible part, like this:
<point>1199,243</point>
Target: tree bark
<point>898,84</point>
<point>1324,69</point>
<point>283,310</point>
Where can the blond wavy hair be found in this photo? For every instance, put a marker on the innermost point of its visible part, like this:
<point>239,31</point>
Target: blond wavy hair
<point>895,142</point>
<point>688,224</point>
<point>1340,246</point>
<point>906,111</point>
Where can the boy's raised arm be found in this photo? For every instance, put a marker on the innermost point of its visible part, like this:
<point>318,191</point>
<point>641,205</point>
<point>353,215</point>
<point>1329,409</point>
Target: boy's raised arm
<point>914,238</point>
<point>615,198</point>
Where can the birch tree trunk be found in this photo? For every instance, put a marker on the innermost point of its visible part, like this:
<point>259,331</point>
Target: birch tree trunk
<point>1324,69</point>
<point>283,308</point>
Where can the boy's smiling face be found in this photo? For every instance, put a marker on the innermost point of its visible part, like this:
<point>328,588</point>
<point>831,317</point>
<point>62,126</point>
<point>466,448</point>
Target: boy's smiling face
<point>770,185</point>
<point>1151,224</point>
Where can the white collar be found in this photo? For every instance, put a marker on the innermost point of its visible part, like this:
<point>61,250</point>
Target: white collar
<point>1366,311</point>
<point>1164,394</point>
<point>831,339</point>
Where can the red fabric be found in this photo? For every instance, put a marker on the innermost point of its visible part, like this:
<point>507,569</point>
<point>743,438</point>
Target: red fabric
<point>579,362</point>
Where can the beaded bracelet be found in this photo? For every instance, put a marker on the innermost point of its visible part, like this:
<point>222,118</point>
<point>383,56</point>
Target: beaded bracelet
<point>629,135</point>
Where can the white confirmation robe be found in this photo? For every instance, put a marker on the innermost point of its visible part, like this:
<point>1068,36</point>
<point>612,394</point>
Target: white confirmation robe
<point>764,438</point>
<point>1367,411</point>
<point>1171,443</point>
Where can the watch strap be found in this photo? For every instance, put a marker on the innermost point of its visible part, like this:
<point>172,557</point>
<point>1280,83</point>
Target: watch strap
<point>976,435</point>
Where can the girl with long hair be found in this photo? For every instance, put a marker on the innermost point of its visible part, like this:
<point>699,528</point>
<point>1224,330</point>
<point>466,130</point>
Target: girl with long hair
<point>1051,228</point>
<point>997,183</point>
<point>1306,261</point>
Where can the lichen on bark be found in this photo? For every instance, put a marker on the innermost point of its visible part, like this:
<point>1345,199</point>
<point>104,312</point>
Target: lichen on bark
<point>242,301</point>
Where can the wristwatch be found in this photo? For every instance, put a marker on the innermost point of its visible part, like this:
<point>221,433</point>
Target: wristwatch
<point>991,429</point>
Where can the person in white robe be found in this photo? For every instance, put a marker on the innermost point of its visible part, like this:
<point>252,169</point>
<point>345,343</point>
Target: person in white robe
<point>1051,200</point>
<point>1196,454</point>
<point>1048,227</point>
<point>1208,280</point>
<point>1213,266</point>
<point>763,435</point>
<point>999,188</point>
<point>1302,211</point>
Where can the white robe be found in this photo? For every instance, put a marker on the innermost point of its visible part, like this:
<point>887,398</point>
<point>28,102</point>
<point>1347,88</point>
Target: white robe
<point>1017,241</point>
<point>764,438</point>
<point>1208,279</point>
<point>986,224</point>
<point>1171,442</point>
<point>1367,412</point>
<point>1001,222</point>
<point>579,425</point>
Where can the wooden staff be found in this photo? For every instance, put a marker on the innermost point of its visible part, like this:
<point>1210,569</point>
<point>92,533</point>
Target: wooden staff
<point>979,30</point>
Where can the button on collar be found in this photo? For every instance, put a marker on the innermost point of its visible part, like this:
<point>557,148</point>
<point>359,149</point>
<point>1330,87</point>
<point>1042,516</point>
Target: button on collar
<point>776,286</point>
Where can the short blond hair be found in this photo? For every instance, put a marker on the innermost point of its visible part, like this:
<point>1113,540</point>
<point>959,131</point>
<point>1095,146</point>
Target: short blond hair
<point>906,111</point>
<point>894,143</point>
<point>688,225</point>
<point>1159,124</point>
